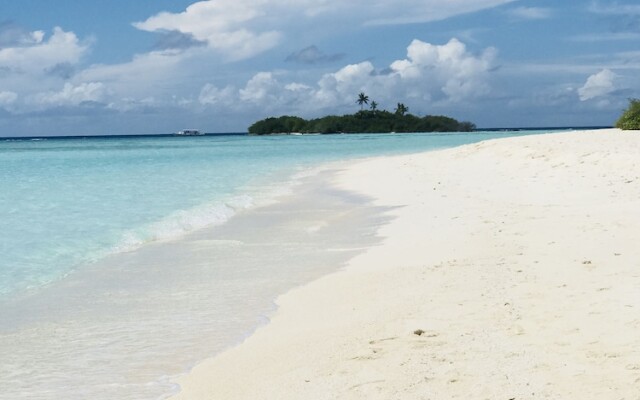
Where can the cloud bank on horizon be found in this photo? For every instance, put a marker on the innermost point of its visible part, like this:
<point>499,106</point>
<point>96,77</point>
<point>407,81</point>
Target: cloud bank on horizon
<point>222,64</point>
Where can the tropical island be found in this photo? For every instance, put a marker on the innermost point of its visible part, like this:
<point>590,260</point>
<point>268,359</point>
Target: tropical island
<point>363,121</point>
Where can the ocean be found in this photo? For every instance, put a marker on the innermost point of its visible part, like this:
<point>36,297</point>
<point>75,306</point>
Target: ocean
<point>125,261</point>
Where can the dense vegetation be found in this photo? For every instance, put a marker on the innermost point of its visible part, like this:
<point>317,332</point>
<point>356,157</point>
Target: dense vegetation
<point>364,121</point>
<point>630,119</point>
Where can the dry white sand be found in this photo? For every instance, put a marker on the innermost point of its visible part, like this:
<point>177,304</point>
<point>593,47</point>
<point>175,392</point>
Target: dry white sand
<point>517,260</point>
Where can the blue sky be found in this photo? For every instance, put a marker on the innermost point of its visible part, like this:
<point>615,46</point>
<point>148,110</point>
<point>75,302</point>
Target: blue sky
<point>157,66</point>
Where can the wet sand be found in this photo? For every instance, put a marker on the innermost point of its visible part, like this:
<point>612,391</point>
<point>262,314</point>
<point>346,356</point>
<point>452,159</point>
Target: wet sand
<point>128,325</point>
<point>509,270</point>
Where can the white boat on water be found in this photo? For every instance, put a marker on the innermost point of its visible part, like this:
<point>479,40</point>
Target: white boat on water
<point>190,132</point>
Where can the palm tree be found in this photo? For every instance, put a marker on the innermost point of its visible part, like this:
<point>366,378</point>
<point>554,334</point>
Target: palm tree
<point>362,100</point>
<point>374,106</point>
<point>401,109</point>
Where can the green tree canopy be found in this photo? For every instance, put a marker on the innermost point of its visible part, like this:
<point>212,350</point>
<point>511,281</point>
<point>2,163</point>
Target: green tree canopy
<point>362,100</point>
<point>364,121</point>
<point>401,109</point>
<point>630,119</point>
<point>370,121</point>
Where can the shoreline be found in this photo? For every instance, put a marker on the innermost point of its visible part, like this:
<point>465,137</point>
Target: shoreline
<point>159,309</point>
<point>141,318</point>
<point>507,271</point>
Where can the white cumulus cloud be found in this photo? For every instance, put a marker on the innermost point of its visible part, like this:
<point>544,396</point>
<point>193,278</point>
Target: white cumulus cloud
<point>458,73</point>
<point>35,66</point>
<point>337,87</point>
<point>211,95</point>
<point>7,98</point>
<point>71,95</point>
<point>139,77</point>
<point>446,73</point>
<point>224,25</point>
<point>598,85</point>
<point>260,88</point>
<point>43,70</point>
<point>37,55</point>
<point>240,29</point>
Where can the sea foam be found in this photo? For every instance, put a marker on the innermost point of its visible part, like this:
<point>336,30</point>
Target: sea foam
<point>148,254</point>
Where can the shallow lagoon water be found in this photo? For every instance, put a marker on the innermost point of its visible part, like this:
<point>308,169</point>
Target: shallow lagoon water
<point>125,261</point>
<point>65,203</point>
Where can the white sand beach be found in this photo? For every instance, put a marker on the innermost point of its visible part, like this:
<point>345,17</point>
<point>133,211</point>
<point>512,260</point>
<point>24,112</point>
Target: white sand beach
<point>510,270</point>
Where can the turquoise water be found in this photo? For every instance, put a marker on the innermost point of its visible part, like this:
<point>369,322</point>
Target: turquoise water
<point>66,203</point>
<point>120,263</point>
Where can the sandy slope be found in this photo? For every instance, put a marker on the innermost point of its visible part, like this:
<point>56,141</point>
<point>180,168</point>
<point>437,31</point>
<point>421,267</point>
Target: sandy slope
<point>518,261</point>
